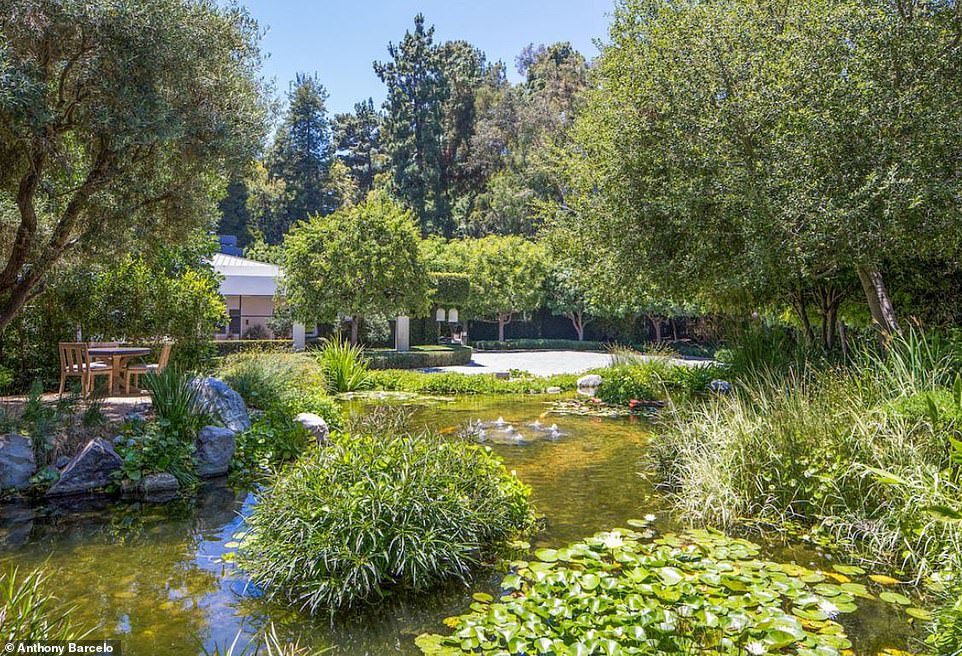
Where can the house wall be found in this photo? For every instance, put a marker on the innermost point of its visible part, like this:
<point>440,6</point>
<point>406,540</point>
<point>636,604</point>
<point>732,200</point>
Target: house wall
<point>252,310</point>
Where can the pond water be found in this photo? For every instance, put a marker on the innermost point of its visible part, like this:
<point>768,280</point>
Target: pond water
<point>152,575</point>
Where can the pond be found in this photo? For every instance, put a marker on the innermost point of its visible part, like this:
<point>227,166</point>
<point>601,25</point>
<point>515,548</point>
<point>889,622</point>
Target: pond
<point>153,575</point>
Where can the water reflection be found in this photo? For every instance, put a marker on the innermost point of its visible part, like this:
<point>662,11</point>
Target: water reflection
<point>154,575</point>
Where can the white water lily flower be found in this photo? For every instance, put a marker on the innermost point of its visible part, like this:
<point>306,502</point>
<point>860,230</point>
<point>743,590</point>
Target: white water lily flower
<point>650,518</point>
<point>612,540</point>
<point>756,648</point>
<point>828,608</point>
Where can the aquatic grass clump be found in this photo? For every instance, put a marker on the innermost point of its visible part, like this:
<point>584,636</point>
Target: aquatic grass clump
<point>374,514</point>
<point>844,451</point>
<point>650,379</point>
<point>344,366</point>
<point>29,613</point>
<point>265,379</point>
<point>620,592</point>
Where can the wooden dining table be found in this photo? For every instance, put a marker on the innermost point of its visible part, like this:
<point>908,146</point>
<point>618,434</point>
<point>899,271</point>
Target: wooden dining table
<point>118,356</point>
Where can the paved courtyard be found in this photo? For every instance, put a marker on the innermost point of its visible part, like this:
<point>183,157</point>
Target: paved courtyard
<point>540,363</point>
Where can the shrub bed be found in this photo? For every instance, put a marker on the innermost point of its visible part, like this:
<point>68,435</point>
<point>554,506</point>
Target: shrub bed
<point>229,346</point>
<point>653,380</point>
<point>538,345</point>
<point>420,357</point>
<point>398,380</point>
<point>376,513</point>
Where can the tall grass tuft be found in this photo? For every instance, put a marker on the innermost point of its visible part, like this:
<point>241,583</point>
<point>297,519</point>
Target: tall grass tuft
<point>859,452</point>
<point>344,366</point>
<point>265,644</point>
<point>175,400</point>
<point>29,613</point>
<point>378,513</point>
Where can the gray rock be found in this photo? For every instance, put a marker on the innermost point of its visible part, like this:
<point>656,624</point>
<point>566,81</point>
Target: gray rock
<point>214,448</point>
<point>159,484</point>
<point>553,390</point>
<point>315,425</point>
<point>88,470</point>
<point>63,461</point>
<point>589,381</point>
<point>17,463</point>
<point>719,386</point>
<point>223,403</point>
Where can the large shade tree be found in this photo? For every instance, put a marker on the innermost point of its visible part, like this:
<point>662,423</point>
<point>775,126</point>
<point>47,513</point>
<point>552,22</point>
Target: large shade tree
<point>119,121</point>
<point>780,151</point>
<point>362,260</point>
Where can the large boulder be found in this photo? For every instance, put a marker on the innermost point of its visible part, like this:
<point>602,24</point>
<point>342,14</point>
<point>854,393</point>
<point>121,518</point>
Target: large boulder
<point>223,404</point>
<point>17,462</point>
<point>590,381</point>
<point>213,450</point>
<point>315,425</point>
<point>90,469</point>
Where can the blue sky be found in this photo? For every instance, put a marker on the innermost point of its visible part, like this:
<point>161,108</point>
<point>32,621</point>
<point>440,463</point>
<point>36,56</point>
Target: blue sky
<point>339,39</point>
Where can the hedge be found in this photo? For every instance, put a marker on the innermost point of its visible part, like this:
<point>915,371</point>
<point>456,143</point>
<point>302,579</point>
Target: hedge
<point>420,357</point>
<point>538,344</point>
<point>228,346</point>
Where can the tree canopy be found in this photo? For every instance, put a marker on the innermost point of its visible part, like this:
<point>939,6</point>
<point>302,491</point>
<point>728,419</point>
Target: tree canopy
<point>775,151</point>
<point>362,260</point>
<point>119,121</point>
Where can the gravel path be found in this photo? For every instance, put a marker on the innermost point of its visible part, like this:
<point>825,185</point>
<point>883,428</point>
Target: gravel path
<point>540,363</point>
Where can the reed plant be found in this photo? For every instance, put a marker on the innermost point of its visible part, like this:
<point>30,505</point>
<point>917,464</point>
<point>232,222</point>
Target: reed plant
<point>30,613</point>
<point>344,366</point>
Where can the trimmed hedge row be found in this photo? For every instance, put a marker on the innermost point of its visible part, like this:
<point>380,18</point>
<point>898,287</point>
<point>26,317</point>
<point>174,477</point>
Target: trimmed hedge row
<point>538,344</point>
<point>229,346</point>
<point>420,357</point>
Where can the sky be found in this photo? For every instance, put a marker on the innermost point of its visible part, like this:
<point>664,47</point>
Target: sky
<point>339,39</point>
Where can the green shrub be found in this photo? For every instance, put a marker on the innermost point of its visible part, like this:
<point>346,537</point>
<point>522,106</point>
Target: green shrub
<point>343,366</point>
<point>265,379</point>
<point>654,379</point>
<point>272,439</point>
<point>420,357</point>
<point>372,514</point>
<point>29,613</point>
<point>227,347</point>
<point>156,447</point>
<point>448,382</point>
<point>619,592</point>
<point>6,379</point>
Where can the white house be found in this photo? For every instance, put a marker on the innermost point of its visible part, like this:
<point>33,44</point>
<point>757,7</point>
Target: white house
<point>248,288</point>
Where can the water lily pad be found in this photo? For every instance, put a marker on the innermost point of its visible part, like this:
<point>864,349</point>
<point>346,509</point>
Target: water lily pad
<point>895,598</point>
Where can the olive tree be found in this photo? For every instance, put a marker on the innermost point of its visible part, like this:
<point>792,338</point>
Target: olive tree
<point>774,151</point>
<point>362,260</point>
<point>120,120</point>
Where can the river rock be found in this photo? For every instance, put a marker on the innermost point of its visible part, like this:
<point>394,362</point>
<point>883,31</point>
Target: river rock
<point>590,381</point>
<point>88,470</point>
<point>553,390</point>
<point>214,448</point>
<point>315,425</point>
<point>719,386</point>
<point>17,463</point>
<point>223,403</point>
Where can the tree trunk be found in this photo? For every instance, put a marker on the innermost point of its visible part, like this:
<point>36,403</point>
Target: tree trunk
<point>355,325</point>
<point>656,322</point>
<point>503,320</point>
<point>800,305</point>
<point>883,313</point>
<point>578,321</point>
<point>674,328</point>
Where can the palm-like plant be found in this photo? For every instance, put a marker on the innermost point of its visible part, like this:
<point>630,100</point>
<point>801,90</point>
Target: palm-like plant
<point>175,399</point>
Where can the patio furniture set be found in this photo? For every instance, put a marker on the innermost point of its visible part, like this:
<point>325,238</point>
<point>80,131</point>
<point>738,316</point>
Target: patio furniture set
<point>89,360</point>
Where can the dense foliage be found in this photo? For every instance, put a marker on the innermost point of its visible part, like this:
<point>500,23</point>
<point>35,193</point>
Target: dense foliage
<point>620,592</point>
<point>374,514</point>
<point>361,261</point>
<point>84,173</point>
<point>769,161</point>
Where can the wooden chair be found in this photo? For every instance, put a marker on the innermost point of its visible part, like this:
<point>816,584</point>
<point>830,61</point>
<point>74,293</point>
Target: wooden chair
<point>75,362</point>
<point>135,371</point>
